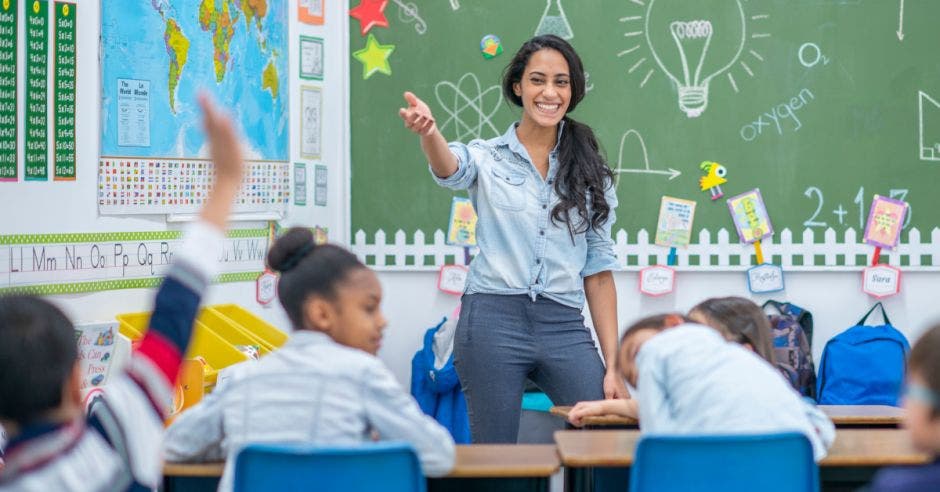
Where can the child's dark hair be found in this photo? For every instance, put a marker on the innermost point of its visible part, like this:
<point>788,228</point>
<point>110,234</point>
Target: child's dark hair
<point>925,361</point>
<point>38,351</point>
<point>582,170</point>
<point>741,321</point>
<point>307,269</point>
<point>657,322</point>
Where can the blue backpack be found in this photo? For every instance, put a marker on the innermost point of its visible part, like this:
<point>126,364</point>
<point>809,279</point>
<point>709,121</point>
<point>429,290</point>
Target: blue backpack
<point>863,365</point>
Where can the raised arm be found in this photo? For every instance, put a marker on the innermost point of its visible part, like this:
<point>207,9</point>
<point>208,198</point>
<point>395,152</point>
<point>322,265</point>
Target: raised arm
<point>418,118</point>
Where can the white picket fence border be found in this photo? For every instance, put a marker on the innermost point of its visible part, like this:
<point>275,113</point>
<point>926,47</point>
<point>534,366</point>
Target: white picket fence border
<point>722,254</point>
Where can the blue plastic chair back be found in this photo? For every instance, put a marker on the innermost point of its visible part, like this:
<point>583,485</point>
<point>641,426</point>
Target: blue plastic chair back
<point>767,462</point>
<point>387,466</point>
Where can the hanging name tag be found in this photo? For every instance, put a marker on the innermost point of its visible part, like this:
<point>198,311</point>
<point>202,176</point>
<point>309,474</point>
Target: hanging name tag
<point>765,278</point>
<point>657,280</point>
<point>266,288</point>
<point>452,279</point>
<point>881,281</point>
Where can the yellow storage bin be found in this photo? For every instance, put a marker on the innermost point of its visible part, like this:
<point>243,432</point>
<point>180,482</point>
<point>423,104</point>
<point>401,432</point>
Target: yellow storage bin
<point>232,332</point>
<point>272,336</point>
<point>206,343</point>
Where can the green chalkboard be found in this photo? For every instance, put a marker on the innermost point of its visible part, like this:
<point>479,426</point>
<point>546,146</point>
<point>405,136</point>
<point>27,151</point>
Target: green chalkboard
<point>819,103</point>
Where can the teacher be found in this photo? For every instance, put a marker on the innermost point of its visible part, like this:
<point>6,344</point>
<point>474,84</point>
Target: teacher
<point>545,200</point>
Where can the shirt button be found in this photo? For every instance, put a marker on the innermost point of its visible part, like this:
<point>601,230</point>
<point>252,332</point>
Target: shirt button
<point>539,262</point>
<point>542,232</point>
<point>550,181</point>
<point>544,206</point>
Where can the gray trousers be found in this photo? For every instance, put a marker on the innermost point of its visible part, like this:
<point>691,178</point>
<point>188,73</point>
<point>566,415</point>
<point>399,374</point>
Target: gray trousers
<point>502,340</point>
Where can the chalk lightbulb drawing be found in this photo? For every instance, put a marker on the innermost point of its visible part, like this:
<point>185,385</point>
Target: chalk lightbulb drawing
<point>692,43</point>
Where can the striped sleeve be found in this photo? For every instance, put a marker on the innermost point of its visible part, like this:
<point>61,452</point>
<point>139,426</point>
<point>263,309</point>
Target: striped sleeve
<point>177,301</point>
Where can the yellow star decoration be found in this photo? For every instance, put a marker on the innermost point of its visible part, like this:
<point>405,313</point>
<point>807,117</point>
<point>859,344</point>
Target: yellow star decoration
<point>374,57</point>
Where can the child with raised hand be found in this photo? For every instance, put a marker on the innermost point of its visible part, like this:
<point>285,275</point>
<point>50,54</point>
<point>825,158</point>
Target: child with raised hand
<point>53,446</point>
<point>690,380</point>
<point>325,386</point>
<point>921,418</point>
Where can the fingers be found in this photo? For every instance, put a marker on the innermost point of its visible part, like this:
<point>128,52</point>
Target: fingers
<point>418,123</point>
<point>224,146</point>
<point>411,99</point>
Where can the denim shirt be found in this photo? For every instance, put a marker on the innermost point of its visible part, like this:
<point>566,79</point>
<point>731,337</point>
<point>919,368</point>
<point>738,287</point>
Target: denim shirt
<point>522,251</point>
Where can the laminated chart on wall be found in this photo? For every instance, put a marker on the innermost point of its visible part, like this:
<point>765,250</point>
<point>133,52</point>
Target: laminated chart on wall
<point>8,117</point>
<point>49,264</point>
<point>156,58</point>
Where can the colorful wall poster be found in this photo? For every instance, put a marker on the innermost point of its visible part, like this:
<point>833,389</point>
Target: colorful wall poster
<point>462,227</point>
<point>885,221</point>
<point>674,228</point>
<point>750,216</point>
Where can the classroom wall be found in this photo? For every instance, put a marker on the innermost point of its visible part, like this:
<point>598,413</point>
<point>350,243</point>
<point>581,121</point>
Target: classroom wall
<point>65,207</point>
<point>413,304</point>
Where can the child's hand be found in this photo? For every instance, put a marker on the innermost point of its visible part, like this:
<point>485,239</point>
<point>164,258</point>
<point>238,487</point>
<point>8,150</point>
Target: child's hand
<point>225,150</point>
<point>613,386</point>
<point>417,116</point>
<point>224,146</point>
<point>586,409</point>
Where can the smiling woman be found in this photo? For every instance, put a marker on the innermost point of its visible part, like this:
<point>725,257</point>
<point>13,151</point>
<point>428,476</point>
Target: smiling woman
<point>545,200</point>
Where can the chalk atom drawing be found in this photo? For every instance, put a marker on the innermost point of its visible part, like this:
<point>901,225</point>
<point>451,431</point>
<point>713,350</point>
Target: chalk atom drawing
<point>691,43</point>
<point>469,108</point>
<point>645,169</point>
<point>929,133</point>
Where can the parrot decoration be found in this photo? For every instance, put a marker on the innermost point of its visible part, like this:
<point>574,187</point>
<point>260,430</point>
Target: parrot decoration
<point>714,177</point>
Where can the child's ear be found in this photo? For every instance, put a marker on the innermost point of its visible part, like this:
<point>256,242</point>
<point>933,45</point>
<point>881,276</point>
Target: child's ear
<point>748,346</point>
<point>319,314</point>
<point>72,389</point>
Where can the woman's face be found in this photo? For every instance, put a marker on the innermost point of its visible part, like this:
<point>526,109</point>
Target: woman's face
<point>545,88</point>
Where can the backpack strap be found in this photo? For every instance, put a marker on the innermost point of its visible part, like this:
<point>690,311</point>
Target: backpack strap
<point>884,314</point>
<point>775,304</point>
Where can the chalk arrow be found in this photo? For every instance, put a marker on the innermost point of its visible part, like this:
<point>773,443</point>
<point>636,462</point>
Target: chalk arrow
<point>672,173</point>
<point>901,22</point>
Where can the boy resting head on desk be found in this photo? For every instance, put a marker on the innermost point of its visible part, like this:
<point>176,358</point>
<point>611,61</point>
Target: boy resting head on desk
<point>690,380</point>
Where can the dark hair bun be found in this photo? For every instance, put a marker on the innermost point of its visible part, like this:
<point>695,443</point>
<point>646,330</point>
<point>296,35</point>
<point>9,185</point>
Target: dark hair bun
<point>290,249</point>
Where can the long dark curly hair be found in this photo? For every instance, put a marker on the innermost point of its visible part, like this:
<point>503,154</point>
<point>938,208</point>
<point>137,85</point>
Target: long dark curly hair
<point>583,170</point>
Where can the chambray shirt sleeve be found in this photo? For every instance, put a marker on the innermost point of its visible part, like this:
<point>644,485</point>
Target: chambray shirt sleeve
<point>395,415</point>
<point>655,415</point>
<point>196,435</point>
<point>467,160</point>
<point>600,246</point>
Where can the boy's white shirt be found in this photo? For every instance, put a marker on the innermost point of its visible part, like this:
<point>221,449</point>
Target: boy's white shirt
<point>314,391</point>
<point>692,381</point>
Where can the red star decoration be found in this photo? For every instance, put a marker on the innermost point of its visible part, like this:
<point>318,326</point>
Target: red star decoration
<point>370,13</point>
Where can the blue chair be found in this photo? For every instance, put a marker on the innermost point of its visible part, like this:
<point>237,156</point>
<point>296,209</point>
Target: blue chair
<point>387,466</point>
<point>768,463</point>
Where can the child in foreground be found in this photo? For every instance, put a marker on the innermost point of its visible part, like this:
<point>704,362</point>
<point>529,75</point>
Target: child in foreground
<point>325,386</point>
<point>53,445</point>
<point>921,418</point>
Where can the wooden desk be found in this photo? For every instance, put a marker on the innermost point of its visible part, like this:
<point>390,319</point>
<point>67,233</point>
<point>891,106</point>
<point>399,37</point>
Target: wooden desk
<point>841,415</point>
<point>855,455</point>
<point>479,467</point>
<point>864,415</point>
<point>193,469</point>
<point>599,421</point>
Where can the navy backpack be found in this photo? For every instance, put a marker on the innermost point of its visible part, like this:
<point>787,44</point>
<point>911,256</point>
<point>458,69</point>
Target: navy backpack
<point>863,365</point>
